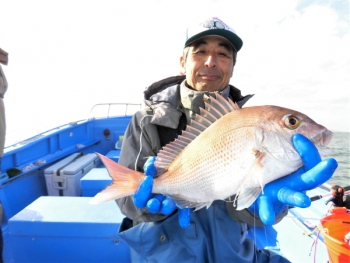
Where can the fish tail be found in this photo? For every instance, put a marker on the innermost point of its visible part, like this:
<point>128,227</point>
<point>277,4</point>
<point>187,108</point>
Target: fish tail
<point>125,181</point>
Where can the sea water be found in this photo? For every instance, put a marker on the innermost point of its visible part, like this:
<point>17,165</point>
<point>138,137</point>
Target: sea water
<point>340,145</point>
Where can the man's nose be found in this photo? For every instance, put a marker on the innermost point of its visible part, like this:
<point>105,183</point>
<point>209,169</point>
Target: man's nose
<point>211,61</point>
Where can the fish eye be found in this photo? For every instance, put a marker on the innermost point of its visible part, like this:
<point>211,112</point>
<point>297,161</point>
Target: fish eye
<point>292,122</point>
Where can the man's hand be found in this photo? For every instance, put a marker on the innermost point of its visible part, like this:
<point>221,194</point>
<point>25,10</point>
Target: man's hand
<point>289,190</point>
<point>157,203</point>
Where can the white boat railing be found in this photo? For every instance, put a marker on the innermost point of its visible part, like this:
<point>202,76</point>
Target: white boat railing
<point>107,110</point>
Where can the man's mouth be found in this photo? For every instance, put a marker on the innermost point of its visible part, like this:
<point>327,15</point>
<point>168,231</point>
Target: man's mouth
<point>209,76</point>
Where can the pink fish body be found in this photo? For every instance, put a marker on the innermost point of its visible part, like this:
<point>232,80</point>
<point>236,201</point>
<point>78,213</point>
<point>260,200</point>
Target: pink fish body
<point>225,151</point>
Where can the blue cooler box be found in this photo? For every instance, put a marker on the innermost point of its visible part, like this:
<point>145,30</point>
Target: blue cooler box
<point>95,181</point>
<point>68,229</point>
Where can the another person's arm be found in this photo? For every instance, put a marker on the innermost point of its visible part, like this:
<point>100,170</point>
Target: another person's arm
<point>3,88</point>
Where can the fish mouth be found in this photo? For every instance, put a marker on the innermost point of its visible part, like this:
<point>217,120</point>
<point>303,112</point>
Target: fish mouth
<point>321,141</point>
<point>323,138</point>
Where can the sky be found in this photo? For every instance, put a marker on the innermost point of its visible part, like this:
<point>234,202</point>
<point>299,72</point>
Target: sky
<point>67,55</point>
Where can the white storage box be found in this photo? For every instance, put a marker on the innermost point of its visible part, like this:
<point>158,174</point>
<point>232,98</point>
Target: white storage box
<point>63,178</point>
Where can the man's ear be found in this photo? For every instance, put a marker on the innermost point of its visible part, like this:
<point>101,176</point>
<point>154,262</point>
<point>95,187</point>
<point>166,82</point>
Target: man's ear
<point>182,65</point>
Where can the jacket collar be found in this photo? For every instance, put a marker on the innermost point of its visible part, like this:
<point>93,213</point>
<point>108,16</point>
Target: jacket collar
<point>170,97</point>
<point>192,100</point>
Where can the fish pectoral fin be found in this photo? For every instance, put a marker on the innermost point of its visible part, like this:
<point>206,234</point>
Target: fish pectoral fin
<point>201,205</point>
<point>181,203</point>
<point>247,197</point>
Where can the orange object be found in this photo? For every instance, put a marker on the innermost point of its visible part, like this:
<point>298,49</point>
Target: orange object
<point>334,229</point>
<point>338,210</point>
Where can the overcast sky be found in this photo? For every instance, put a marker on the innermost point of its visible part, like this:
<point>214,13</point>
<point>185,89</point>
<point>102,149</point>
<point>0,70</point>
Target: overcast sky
<point>67,55</point>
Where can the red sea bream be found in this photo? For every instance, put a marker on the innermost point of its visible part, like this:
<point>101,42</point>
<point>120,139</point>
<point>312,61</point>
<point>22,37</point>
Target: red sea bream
<point>224,151</point>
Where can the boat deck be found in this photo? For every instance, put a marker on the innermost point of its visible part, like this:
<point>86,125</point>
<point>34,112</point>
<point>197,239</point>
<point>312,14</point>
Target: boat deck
<point>37,227</point>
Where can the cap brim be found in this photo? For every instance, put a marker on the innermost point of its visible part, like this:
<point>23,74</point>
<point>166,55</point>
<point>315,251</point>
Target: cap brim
<point>230,36</point>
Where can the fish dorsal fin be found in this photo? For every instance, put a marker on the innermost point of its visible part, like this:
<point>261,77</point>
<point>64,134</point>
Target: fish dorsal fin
<point>215,108</point>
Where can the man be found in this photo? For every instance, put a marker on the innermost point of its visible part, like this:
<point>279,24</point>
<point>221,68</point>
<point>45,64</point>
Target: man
<point>154,228</point>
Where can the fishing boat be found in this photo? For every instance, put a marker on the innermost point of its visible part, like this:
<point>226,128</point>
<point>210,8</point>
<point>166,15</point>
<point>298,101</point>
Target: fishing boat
<point>48,180</point>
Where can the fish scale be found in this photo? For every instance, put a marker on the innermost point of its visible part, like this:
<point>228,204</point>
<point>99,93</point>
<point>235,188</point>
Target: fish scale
<point>212,168</point>
<point>225,151</point>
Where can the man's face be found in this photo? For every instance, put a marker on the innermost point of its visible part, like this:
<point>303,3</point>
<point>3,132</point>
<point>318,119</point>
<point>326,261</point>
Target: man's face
<point>209,64</point>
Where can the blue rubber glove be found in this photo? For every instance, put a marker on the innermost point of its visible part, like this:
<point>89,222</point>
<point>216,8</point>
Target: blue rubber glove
<point>157,203</point>
<point>289,190</point>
